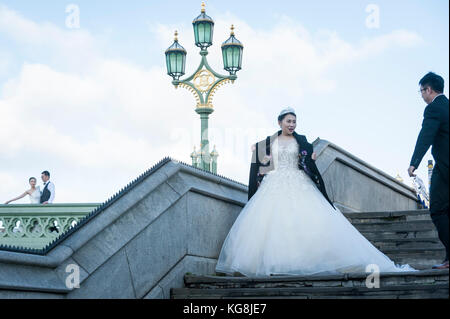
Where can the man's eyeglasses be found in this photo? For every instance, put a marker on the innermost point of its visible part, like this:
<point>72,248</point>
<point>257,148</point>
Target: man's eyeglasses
<point>421,90</point>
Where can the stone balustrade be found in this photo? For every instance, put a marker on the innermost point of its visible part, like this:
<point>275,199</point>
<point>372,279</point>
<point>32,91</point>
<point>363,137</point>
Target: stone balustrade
<point>36,226</point>
<point>353,185</point>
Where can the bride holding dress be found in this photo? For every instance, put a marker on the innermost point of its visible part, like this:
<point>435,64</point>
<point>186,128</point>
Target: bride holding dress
<point>289,226</point>
<point>34,192</point>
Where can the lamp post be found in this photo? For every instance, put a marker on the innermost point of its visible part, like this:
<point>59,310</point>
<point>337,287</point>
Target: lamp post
<point>204,83</point>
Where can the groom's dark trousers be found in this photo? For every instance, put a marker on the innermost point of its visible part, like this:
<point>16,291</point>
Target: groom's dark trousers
<point>435,130</point>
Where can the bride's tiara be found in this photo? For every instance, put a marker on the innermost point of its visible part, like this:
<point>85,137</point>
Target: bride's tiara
<point>287,110</point>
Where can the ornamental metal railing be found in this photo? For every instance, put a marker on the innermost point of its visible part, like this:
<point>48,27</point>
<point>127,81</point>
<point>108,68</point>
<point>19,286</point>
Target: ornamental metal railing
<point>36,226</point>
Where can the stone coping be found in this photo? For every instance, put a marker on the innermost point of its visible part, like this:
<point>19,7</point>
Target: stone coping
<point>363,167</point>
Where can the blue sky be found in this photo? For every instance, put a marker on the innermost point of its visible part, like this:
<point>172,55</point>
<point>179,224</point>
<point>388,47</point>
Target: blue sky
<point>128,22</point>
<point>94,106</point>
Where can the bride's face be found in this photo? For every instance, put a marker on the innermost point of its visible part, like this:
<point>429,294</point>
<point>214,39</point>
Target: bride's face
<point>32,182</point>
<point>288,124</point>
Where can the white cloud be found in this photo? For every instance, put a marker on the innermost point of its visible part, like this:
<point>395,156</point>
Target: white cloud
<point>287,59</point>
<point>397,38</point>
<point>5,62</point>
<point>74,50</point>
<point>105,115</point>
<point>70,116</point>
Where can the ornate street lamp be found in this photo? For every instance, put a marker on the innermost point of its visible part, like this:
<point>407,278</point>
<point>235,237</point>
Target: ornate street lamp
<point>176,59</point>
<point>204,83</point>
<point>232,54</point>
<point>203,29</point>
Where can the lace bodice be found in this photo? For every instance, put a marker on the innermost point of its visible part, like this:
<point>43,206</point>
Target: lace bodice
<point>35,197</point>
<point>285,155</point>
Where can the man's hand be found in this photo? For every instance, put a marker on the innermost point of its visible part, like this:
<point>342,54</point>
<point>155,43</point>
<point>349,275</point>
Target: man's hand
<point>411,170</point>
<point>266,159</point>
<point>45,203</point>
<point>314,156</point>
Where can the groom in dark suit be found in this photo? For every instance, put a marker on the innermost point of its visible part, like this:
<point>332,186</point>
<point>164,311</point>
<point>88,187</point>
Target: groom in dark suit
<point>435,133</point>
<point>48,193</point>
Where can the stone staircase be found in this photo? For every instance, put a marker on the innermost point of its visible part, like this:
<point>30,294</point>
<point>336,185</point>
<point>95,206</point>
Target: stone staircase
<point>405,236</point>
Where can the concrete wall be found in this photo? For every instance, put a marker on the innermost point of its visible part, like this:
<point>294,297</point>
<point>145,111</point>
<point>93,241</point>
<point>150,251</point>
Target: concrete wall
<point>355,186</point>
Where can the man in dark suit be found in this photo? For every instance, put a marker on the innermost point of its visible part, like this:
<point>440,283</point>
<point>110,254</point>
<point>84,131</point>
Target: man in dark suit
<point>435,133</point>
<point>48,193</point>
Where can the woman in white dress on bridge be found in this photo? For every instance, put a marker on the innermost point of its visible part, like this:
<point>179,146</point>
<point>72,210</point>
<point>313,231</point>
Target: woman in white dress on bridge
<point>290,227</point>
<point>34,192</point>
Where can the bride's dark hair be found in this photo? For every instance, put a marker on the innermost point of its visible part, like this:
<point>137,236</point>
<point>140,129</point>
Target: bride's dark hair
<point>281,117</point>
<point>31,179</point>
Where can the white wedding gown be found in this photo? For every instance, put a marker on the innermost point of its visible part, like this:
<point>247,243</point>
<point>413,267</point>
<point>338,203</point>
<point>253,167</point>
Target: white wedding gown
<point>35,197</point>
<point>288,227</point>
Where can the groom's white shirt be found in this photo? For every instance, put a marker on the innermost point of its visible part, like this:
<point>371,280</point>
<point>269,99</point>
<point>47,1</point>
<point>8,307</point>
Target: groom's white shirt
<point>51,189</point>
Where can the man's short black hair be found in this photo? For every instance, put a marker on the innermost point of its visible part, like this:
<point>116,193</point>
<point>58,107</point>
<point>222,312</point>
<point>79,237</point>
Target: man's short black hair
<point>46,173</point>
<point>434,81</point>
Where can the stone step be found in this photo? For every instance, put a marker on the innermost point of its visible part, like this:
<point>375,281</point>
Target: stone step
<point>388,217</point>
<point>422,243</point>
<point>419,259</point>
<point>421,284</point>
<point>414,225</point>
<point>344,280</point>
<point>388,220</point>
<point>381,234</point>
<point>439,291</point>
<point>413,251</point>
<point>407,237</point>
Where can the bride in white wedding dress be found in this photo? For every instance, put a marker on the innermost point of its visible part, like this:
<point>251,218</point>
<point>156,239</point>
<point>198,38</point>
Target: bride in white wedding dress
<point>34,192</point>
<point>288,227</point>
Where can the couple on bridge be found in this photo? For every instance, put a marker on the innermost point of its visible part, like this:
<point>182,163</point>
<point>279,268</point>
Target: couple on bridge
<point>289,226</point>
<point>36,196</point>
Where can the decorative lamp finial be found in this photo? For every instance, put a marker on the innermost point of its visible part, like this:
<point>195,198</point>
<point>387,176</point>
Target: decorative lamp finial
<point>176,35</point>
<point>194,153</point>
<point>203,7</point>
<point>214,153</point>
<point>232,29</point>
